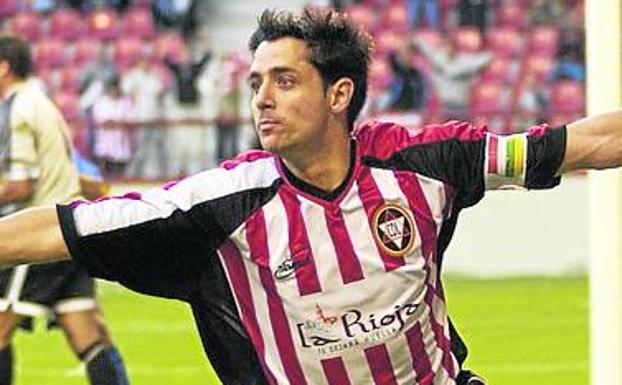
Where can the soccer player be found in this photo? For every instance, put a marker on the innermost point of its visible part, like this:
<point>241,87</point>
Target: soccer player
<point>317,260</point>
<point>37,169</point>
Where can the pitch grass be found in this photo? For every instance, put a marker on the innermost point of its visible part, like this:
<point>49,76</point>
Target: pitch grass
<point>520,331</point>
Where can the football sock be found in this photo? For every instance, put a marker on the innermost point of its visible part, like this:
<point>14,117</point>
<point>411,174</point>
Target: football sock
<point>6,365</point>
<point>104,365</point>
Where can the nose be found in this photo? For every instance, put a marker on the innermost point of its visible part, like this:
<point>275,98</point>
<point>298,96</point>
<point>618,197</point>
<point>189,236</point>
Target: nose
<point>264,98</point>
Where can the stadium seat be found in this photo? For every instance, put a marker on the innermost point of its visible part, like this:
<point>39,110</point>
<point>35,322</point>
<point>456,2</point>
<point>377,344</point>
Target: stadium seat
<point>380,74</point>
<point>467,39</point>
<point>395,17</point>
<point>66,24</point>
<point>127,51</point>
<point>430,36</point>
<point>512,15</point>
<point>362,15</point>
<point>567,97</point>
<point>26,24</point>
<point>69,79</point>
<point>85,51</point>
<point>544,40</point>
<point>538,66</point>
<point>490,103</point>
<point>67,103</point>
<point>49,53</point>
<point>387,40</point>
<point>504,42</point>
<point>8,7</point>
<point>103,24</point>
<point>138,23</point>
<point>169,45</point>
<point>499,70</point>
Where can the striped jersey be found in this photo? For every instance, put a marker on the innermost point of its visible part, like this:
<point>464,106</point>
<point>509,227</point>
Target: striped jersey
<point>293,285</point>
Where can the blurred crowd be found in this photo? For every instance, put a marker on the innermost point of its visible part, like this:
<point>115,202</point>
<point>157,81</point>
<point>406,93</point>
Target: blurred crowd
<point>148,98</point>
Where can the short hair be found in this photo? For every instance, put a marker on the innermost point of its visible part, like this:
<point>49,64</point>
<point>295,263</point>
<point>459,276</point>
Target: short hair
<point>337,48</point>
<point>16,51</point>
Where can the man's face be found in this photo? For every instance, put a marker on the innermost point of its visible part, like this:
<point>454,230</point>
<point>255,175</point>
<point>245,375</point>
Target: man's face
<point>289,104</point>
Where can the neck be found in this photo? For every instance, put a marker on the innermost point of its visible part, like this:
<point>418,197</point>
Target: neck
<point>325,166</point>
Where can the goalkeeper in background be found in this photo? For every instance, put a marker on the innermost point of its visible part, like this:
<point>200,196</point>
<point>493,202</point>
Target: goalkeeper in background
<point>37,168</point>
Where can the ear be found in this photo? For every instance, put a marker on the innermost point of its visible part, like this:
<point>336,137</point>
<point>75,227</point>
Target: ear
<point>340,95</point>
<point>4,68</point>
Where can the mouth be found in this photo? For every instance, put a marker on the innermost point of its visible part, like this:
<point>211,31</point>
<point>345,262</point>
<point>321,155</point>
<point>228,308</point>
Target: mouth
<point>265,125</point>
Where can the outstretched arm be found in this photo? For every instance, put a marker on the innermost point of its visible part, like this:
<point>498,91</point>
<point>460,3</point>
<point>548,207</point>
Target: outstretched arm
<point>31,235</point>
<point>594,142</point>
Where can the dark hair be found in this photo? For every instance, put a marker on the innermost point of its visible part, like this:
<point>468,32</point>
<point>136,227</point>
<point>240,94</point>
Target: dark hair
<point>16,52</point>
<point>337,49</point>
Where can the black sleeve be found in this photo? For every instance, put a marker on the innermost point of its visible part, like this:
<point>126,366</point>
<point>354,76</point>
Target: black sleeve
<point>465,156</point>
<point>159,257</point>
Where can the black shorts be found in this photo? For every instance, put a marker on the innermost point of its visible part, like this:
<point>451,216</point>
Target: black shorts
<point>46,289</point>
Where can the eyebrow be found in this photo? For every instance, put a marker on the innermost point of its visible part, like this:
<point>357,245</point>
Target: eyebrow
<point>273,71</point>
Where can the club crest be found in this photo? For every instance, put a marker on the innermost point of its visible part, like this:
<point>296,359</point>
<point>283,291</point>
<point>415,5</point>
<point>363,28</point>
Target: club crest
<point>394,229</point>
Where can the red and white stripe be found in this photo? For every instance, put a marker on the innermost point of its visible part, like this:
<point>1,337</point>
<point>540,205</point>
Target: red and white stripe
<point>342,268</point>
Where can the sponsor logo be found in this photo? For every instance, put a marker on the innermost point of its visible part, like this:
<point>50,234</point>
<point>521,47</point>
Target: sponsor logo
<point>329,334</point>
<point>285,271</point>
<point>394,229</point>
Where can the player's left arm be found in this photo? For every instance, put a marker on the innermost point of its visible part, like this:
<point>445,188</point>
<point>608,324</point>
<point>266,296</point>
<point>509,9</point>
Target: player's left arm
<point>593,142</point>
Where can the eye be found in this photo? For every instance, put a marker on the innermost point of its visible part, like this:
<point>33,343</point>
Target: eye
<point>254,84</point>
<point>285,81</point>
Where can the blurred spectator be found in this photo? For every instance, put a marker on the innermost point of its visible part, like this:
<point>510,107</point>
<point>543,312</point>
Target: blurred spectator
<point>111,113</point>
<point>429,8</point>
<point>532,102</point>
<point>144,86</point>
<point>570,63</point>
<point>95,77</point>
<point>473,12</point>
<point>43,6</point>
<point>188,139</point>
<point>93,80</point>
<point>546,12</point>
<point>452,74</point>
<point>177,14</point>
<point>89,5</point>
<point>407,90</point>
<point>228,119</point>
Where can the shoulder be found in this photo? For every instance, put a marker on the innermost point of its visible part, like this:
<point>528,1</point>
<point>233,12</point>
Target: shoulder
<point>382,139</point>
<point>252,170</point>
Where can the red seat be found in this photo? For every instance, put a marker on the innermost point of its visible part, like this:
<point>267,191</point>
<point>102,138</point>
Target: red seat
<point>169,45</point>
<point>504,42</point>
<point>380,74</point>
<point>430,36</point>
<point>49,53</point>
<point>544,40</point>
<point>67,103</point>
<point>138,23</point>
<point>538,66</point>
<point>467,39</point>
<point>362,15</point>
<point>103,24</point>
<point>27,25</point>
<point>395,17</point>
<point>126,52</point>
<point>66,24</point>
<point>85,51</point>
<point>499,70</point>
<point>387,40</point>
<point>567,97</point>
<point>512,15</point>
<point>488,98</point>
<point>70,79</point>
<point>8,7</point>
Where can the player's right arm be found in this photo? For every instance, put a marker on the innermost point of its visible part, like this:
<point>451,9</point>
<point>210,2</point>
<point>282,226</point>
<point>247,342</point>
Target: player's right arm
<point>31,235</point>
